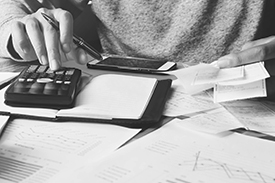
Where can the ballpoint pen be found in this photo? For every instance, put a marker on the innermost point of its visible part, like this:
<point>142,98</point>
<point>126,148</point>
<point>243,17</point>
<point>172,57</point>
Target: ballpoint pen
<point>76,39</point>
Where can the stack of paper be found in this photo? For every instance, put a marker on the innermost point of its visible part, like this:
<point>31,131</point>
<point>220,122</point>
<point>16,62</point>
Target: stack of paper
<point>229,84</point>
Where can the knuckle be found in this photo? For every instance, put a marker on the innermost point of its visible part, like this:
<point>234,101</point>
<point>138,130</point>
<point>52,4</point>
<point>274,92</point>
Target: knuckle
<point>234,60</point>
<point>67,15</point>
<point>260,52</point>
<point>53,52</point>
<point>42,10</point>
<point>32,23</point>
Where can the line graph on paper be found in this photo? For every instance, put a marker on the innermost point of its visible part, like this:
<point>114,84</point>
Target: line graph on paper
<point>199,169</point>
<point>202,166</point>
<point>52,137</point>
<point>201,163</point>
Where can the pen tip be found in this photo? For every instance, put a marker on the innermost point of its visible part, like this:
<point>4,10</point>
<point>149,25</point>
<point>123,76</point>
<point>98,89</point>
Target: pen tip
<point>47,17</point>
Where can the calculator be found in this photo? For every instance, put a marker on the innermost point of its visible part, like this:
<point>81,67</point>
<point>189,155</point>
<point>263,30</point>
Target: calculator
<point>39,86</point>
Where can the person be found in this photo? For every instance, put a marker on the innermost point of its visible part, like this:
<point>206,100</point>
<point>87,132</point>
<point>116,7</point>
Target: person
<point>230,32</point>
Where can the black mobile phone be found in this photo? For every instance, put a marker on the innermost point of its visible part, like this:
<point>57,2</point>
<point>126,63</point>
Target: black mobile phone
<point>132,64</point>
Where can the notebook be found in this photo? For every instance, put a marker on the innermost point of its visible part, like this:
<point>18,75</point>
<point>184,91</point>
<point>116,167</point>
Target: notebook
<point>126,100</point>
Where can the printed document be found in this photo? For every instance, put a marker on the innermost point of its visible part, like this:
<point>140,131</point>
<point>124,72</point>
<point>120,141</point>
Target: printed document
<point>40,151</point>
<point>174,154</point>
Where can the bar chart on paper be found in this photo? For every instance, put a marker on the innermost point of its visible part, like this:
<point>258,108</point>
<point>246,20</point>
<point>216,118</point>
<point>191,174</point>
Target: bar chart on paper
<point>38,151</point>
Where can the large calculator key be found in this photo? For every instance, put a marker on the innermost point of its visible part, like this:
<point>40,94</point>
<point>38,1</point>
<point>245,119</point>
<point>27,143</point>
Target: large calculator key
<point>51,88</point>
<point>63,90</point>
<point>21,87</point>
<point>37,88</point>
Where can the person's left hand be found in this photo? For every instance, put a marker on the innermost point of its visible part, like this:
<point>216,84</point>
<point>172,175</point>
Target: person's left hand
<point>258,50</point>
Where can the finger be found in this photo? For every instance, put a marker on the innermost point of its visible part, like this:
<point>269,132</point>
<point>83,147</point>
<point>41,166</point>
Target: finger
<point>253,54</point>
<point>65,20</point>
<point>82,56</point>
<point>258,42</point>
<point>52,46</point>
<point>21,41</point>
<point>78,55</point>
<point>37,39</point>
<point>71,56</point>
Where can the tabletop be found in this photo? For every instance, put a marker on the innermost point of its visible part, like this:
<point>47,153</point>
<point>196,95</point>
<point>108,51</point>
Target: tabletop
<point>9,65</point>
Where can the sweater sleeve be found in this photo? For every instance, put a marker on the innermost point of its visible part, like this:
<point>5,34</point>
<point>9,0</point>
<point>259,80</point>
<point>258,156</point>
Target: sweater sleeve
<point>12,10</point>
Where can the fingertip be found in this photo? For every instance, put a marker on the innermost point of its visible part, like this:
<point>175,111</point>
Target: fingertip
<point>66,47</point>
<point>54,65</point>
<point>215,64</point>
<point>82,56</point>
<point>223,63</point>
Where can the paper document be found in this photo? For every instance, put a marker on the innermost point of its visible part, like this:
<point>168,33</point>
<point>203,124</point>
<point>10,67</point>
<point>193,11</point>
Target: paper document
<point>254,115</point>
<point>229,84</point>
<point>215,121</point>
<point>42,151</point>
<point>3,122</point>
<point>179,103</point>
<point>6,77</point>
<point>216,75</point>
<point>186,77</point>
<point>250,86</point>
<point>224,93</point>
<point>176,155</point>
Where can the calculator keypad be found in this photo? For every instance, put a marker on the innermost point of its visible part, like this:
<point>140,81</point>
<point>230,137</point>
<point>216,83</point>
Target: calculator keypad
<point>40,83</point>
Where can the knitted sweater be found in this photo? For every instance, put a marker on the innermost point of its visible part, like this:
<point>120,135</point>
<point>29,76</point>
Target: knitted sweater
<point>179,30</point>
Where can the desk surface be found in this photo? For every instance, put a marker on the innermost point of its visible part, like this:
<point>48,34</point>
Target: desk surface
<point>9,65</point>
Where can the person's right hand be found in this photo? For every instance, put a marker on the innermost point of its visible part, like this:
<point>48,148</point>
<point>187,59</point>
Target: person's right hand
<point>34,38</point>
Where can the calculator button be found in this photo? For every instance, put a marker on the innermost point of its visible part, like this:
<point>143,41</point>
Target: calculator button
<point>63,90</point>
<point>21,87</point>
<point>21,79</point>
<point>59,72</point>
<point>44,80</point>
<point>51,88</point>
<point>32,68</point>
<point>69,72</point>
<point>42,69</point>
<point>59,81</point>
<point>37,88</point>
<point>30,80</point>
<point>67,78</point>
<point>50,75</point>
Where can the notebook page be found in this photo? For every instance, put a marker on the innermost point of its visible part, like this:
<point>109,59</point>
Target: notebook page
<point>113,96</point>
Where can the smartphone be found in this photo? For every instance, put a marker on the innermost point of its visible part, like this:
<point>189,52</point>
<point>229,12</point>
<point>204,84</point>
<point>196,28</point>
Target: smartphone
<point>134,64</point>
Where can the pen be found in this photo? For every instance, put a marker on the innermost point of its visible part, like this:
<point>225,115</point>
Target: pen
<point>76,39</point>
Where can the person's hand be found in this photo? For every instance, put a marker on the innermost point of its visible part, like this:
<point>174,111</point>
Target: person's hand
<point>34,38</point>
<point>259,50</point>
